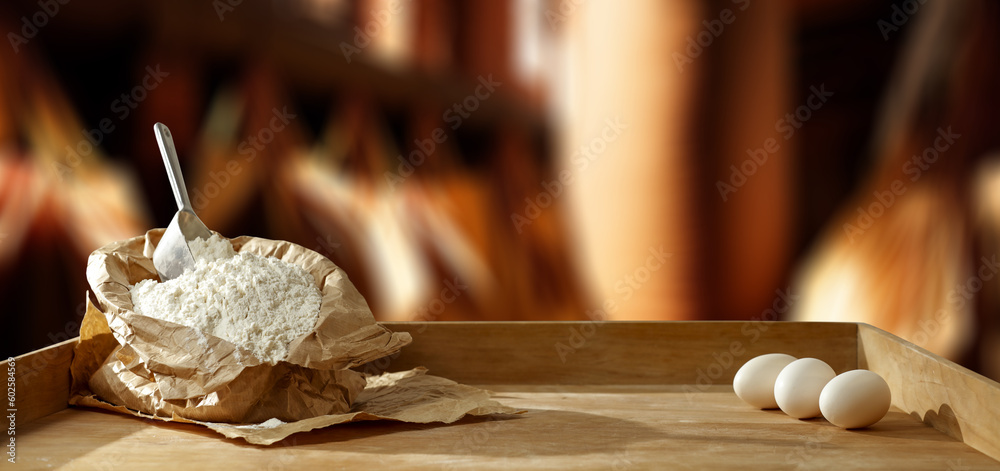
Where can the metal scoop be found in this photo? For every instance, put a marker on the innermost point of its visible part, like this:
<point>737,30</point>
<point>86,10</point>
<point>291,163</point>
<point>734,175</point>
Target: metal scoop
<point>172,255</point>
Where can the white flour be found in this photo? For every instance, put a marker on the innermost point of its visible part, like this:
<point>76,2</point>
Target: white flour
<point>259,303</point>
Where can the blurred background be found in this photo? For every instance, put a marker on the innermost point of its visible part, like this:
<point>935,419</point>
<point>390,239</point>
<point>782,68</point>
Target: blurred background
<point>525,159</point>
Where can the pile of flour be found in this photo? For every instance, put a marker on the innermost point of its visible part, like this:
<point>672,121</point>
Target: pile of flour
<point>259,303</point>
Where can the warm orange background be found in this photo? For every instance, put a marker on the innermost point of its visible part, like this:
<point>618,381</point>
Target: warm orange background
<point>525,159</point>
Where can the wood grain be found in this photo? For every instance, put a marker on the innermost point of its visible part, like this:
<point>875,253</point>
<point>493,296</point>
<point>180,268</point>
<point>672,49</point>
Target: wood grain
<point>42,381</point>
<point>697,353</point>
<point>623,395</point>
<point>952,399</point>
<point>621,427</point>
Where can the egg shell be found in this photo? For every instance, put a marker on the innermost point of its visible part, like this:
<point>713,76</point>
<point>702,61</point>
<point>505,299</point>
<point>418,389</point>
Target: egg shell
<point>855,399</point>
<point>754,381</point>
<point>798,386</point>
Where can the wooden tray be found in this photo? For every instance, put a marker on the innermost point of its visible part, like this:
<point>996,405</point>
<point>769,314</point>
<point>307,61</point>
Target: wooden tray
<point>613,395</point>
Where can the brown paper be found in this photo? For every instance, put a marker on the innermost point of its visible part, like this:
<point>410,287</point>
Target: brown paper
<point>408,396</point>
<point>152,368</point>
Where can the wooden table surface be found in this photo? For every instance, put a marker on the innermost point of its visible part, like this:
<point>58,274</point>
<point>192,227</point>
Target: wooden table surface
<point>627,395</point>
<point>566,427</point>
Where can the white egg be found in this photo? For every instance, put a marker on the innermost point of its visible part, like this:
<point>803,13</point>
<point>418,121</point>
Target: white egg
<point>754,382</point>
<point>798,386</point>
<point>855,399</point>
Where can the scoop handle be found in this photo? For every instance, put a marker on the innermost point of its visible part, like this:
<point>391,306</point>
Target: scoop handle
<point>169,153</point>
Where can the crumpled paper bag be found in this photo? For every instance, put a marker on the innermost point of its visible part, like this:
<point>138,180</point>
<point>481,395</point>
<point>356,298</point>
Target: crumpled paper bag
<point>147,367</point>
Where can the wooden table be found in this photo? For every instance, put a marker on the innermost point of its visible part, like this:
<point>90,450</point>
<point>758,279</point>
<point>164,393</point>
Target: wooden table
<point>621,395</point>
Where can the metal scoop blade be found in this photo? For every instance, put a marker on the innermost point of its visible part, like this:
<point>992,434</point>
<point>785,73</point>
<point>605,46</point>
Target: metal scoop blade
<point>172,255</point>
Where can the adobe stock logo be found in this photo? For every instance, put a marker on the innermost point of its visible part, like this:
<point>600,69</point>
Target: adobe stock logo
<point>914,168</point>
<point>582,158</point>
<point>456,115</point>
<point>626,287</point>
<point>787,126</point>
<point>47,9</point>
<point>959,297</point>
<point>122,107</point>
<point>363,35</point>
<point>697,44</point>
<point>450,293</point>
<point>562,13</point>
<point>724,360</point>
<point>254,143</point>
<point>900,15</point>
<point>222,8</point>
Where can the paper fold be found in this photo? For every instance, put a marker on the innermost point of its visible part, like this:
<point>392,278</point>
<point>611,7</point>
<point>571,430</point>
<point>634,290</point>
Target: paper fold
<point>143,366</point>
